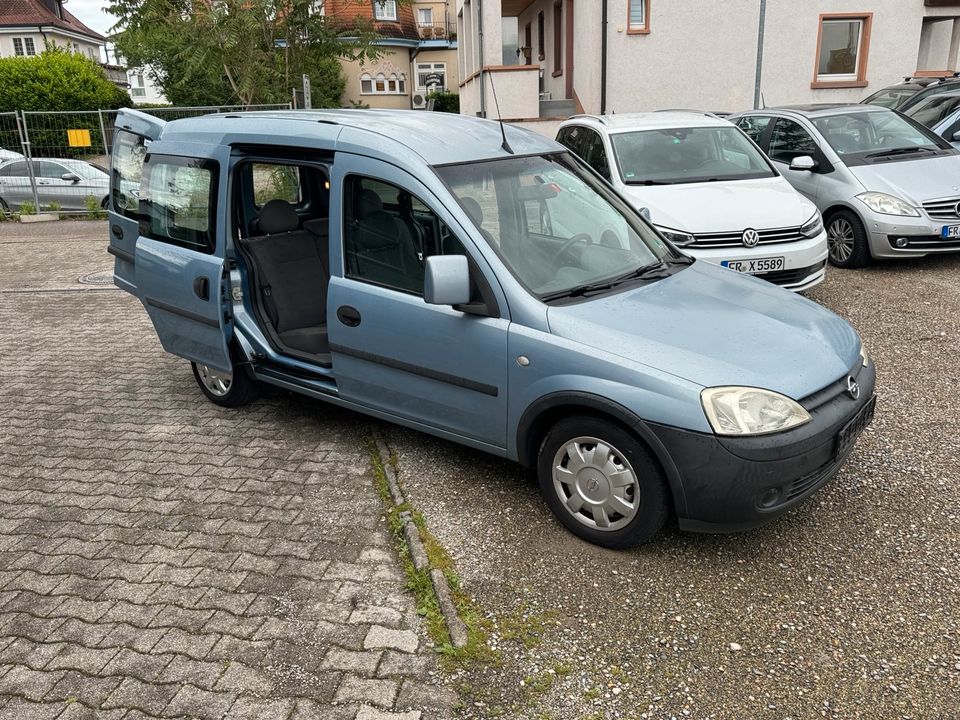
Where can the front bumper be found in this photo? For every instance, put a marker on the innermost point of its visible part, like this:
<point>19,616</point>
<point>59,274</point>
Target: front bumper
<point>731,484</point>
<point>922,235</point>
<point>804,261</point>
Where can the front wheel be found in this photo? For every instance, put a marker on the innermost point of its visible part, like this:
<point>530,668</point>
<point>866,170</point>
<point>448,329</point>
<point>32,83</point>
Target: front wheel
<point>602,483</point>
<point>847,242</point>
<point>227,389</point>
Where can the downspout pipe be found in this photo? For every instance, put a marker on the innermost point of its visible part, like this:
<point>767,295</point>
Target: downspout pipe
<point>603,60</point>
<point>759,75</point>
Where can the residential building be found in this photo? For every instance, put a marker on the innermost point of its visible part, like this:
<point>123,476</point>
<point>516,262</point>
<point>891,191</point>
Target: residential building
<point>548,59</point>
<point>142,89</point>
<point>26,26</point>
<point>419,43</point>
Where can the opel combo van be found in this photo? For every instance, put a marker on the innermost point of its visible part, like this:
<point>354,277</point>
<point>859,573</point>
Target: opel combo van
<point>480,283</point>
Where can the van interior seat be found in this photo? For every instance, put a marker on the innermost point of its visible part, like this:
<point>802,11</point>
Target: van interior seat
<point>293,270</point>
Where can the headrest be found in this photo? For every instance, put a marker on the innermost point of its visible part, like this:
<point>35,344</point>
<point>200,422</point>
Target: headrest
<point>278,216</point>
<point>377,230</point>
<point>473,209</point>
<point>369,202</point>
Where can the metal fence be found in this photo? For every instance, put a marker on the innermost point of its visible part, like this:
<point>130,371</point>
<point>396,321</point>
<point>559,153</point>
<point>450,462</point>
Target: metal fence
<point>59,161</point>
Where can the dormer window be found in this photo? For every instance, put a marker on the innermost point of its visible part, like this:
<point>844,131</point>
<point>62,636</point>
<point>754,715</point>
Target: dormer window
<point>385,10</point>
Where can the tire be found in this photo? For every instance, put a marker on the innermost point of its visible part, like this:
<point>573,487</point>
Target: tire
<point>625,478</point>
<point>225,389</point>
<point>847,241</point>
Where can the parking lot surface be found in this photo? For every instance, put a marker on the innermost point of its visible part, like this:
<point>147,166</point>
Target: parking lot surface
<point>848,607</point>
<point>163,557</point>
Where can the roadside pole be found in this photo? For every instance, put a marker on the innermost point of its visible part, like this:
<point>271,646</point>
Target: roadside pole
<point>25,142</point>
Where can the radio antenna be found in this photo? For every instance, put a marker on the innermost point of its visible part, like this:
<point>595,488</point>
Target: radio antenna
<point>503,130</point>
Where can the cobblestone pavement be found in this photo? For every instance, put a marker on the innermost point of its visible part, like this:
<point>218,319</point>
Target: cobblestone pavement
<point>164,557</point>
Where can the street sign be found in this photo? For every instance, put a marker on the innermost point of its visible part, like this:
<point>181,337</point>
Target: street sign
<point>306,92</point>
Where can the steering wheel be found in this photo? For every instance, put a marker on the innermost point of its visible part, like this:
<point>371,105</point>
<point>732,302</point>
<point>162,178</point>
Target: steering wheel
<point>579,237</point>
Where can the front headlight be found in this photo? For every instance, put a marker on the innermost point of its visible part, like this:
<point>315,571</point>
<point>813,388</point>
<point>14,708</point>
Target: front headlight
<point>864,358</point>
<point>677,237</point>
<point>887,204</point>
<point>812,227</point>
<point>750,411</point>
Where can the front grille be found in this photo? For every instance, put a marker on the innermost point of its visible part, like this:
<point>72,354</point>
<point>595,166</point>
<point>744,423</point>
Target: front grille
<point>735,239</point>
<point>809,482</point>
<point>792,277</point>
<point>945,209</point>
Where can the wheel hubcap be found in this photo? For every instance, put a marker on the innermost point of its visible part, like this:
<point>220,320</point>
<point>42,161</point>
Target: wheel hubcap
<point>840,240</point>
<point>596,484</point>
<point>215,381</point>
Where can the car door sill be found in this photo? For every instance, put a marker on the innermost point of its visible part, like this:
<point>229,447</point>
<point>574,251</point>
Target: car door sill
<point>212,322</point>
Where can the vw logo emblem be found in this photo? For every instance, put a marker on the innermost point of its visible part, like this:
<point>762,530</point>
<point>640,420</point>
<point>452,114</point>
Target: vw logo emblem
<point>750,237</point>
<point>853,389</point>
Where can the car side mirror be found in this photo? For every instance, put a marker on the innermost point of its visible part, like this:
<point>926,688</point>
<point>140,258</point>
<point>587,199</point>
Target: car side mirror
<point>956,136</point>
<point>645,213</point>
<point>70,177</point>
<point>446,280</point>
<point>804,162</point>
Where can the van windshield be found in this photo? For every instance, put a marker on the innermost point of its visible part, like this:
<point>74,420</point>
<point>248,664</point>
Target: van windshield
<point>670,156</point>
<point>562,232</point>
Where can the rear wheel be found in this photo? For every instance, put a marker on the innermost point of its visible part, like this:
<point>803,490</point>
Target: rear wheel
<point>227,389</point>
<point>847,242</point>
<point>602,483</point>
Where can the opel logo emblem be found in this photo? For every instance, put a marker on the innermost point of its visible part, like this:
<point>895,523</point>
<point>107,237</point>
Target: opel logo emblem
<point>593,485</point>
<point>853,389</point>
<point>750,237</point>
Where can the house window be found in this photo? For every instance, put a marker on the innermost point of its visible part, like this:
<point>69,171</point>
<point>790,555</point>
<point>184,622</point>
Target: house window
<point>425,16</point>
<point>557,39</point>
<point>317,7</point>
<point>385,9</point>
<point>382,84</point>
<point>24,46</point>
<point>366,84</point>
<point>842,46</point>
<point>431,74</point>
<point>540,31</point>
<point>638,16</point>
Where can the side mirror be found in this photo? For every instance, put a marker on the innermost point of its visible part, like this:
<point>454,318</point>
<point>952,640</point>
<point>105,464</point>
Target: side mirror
<point>446,280</point>
<point>804,162</point>
<point>956,137</point>
<point>645,212</point>
<point>70,177</point>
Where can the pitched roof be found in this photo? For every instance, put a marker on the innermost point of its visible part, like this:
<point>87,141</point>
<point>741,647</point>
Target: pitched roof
<point>347,13</point>
<point>36,12</point>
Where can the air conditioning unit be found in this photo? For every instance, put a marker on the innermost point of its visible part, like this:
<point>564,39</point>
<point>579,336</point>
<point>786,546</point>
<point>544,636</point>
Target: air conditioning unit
<point>419,101</point>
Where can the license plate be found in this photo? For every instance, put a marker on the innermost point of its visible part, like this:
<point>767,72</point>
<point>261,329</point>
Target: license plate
<point>757,266</point>
<point>950,231</point>
<point>851,431</point>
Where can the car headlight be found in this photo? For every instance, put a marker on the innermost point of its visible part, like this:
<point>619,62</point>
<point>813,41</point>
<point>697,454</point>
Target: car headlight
<point>812,227</point>
<point>887,204</point>
<point>864,358</point>
<point>677,237</point>
<point>750,411</point>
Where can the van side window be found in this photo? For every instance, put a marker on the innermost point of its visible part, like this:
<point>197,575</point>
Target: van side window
<point>389,233</point>
<point>273,182</point>
<point>129,150</point>
<point>178,202</point>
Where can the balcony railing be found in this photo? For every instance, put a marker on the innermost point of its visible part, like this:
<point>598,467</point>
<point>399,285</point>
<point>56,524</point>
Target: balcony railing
<point>437,31</point>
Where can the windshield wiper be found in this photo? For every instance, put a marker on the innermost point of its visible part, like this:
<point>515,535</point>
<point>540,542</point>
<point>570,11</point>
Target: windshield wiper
<point>900,151</point>
<point>653,271</point>
<point>648,182</point>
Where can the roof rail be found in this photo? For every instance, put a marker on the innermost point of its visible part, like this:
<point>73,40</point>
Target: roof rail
<point>599,118</point>
<point>688,110</point>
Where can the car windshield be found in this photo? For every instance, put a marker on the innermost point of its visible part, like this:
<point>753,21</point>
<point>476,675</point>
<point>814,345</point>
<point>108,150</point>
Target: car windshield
<point>934,109</point>
<point>687,155</point>
<point>876,135</point>
<point>561,231</point>
<point>892,97</point>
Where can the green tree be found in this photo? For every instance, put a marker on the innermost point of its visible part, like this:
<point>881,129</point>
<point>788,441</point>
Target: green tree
<point>56,80</point>
<point>203,52</point>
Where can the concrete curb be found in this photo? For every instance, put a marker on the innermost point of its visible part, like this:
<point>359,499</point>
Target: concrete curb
<point>418,554</point>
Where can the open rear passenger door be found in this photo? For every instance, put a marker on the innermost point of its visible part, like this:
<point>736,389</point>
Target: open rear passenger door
<point>178,229</point>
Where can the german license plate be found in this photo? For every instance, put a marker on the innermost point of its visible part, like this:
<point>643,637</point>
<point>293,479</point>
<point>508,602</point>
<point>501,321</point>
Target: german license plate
<point>851,431</point>
<point>757,266</point>
<point>950,231</point>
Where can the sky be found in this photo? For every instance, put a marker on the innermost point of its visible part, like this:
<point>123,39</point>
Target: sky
<point>92,14</point>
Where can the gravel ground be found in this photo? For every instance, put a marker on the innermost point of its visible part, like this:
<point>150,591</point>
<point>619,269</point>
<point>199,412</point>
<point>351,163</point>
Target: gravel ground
<point>845,608</point>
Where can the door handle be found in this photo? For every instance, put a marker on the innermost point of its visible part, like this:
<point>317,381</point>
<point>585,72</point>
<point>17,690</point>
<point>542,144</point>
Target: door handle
<point>349,316</point>
<point>201,288</point>
<point>117,231</point>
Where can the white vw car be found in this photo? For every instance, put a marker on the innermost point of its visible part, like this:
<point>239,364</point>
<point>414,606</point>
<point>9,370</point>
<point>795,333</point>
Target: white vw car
<point>708,189</point>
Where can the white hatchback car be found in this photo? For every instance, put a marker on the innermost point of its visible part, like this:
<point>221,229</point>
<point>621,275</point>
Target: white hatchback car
<point>708,189</point>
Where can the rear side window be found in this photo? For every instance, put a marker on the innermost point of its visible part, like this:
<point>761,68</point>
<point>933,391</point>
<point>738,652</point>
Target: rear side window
<point>276,182</point>
<point>594,154</point>
<point>178,202</point>
<point>16,169</point>
<point>753,127</point>
<point>129,151</point>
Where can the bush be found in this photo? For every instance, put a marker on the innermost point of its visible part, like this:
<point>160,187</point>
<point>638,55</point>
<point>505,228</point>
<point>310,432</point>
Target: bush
<point>447,102</point>
<point>57,80</point>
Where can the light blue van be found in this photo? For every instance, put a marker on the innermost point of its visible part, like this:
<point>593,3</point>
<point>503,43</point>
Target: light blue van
<point>481,284</point>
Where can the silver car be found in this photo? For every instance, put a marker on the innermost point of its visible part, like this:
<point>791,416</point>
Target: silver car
<point>887,186</point>
<point>60,183</point>
<point>940,113</point>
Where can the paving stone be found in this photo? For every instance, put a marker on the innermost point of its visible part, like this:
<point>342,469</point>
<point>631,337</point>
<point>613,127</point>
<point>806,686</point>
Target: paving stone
<point>249,708</point>
<point>243,678</point>
<point>376,615</point>
<point>357,689</point>
<point>367,712</point>
<point>149,698</point>
<point>195,702</point>
<point>362,663</point>
<point>418,695</point>
<point>382,637</point>
<point>403,664</point>
<point>33,685</point>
